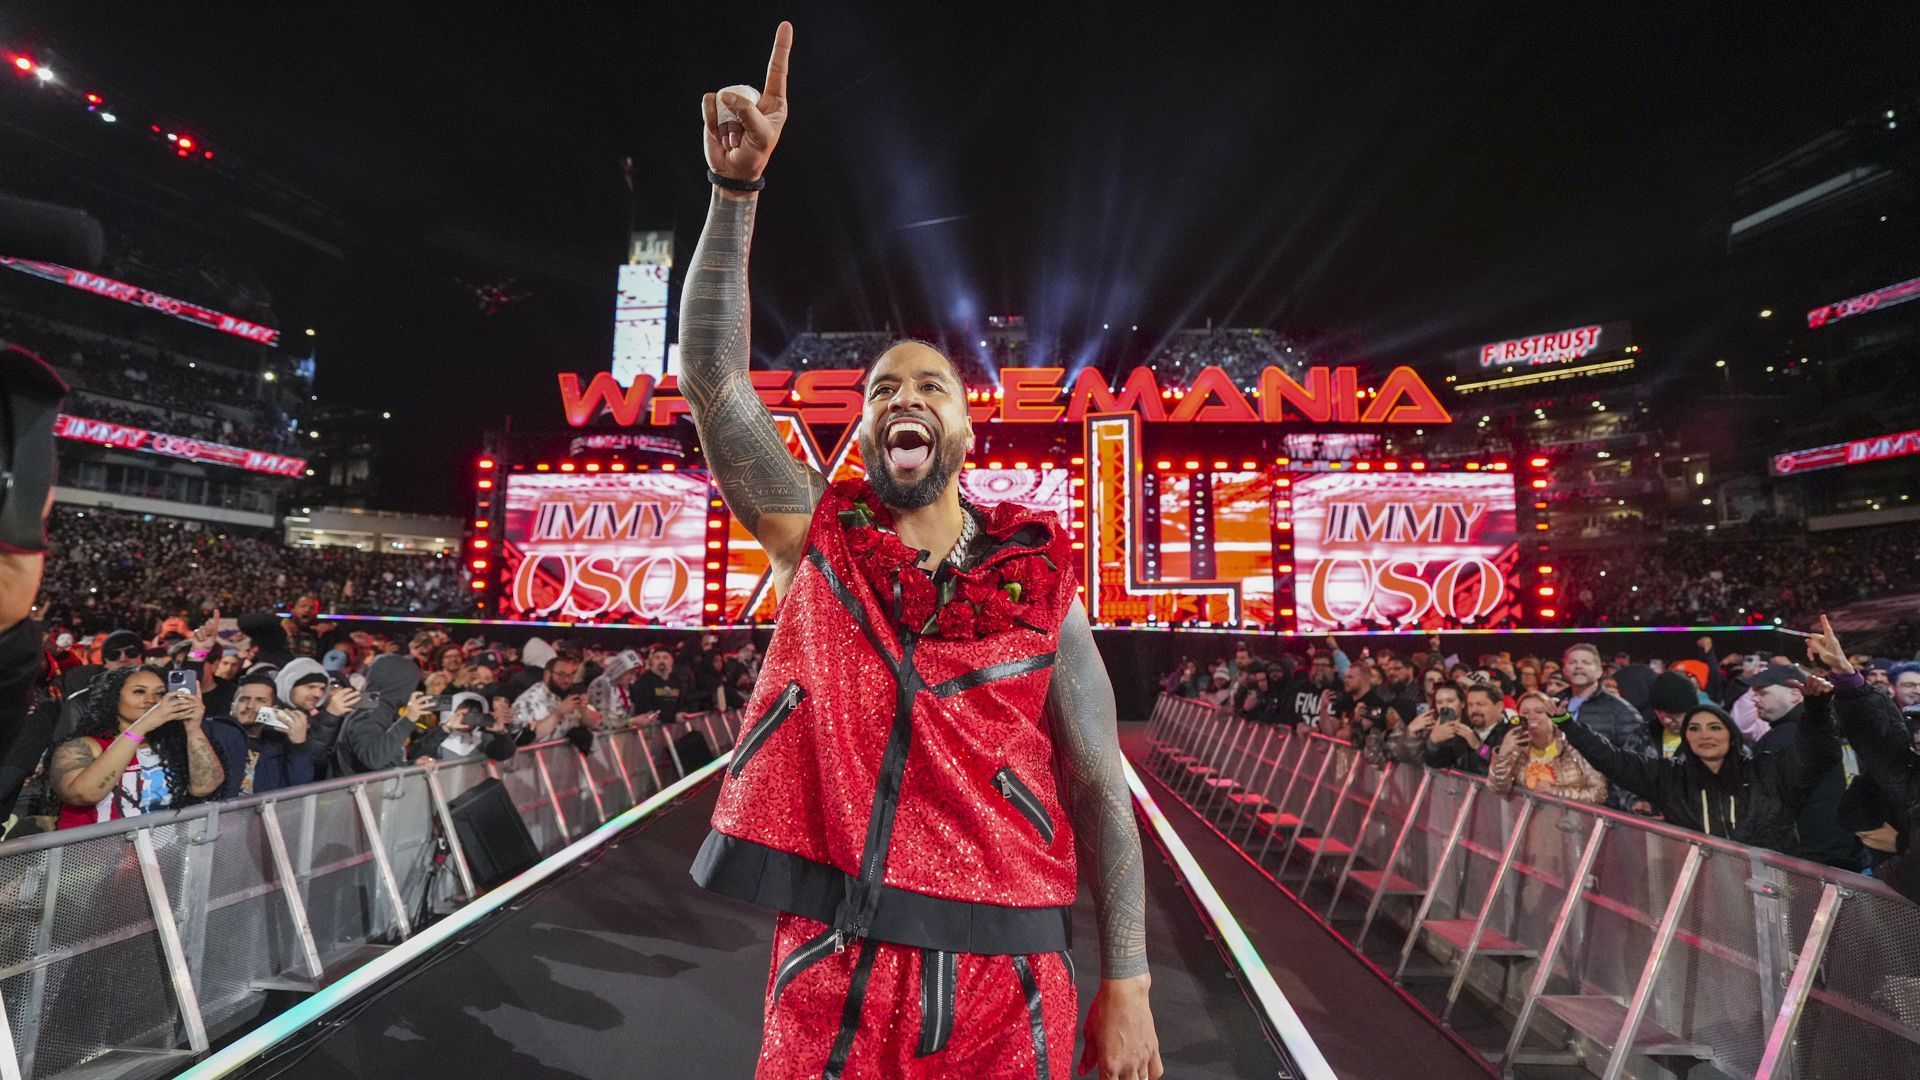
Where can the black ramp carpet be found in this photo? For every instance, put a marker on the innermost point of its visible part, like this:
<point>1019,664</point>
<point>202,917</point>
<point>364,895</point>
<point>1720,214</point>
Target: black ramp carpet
<point>625,968</point>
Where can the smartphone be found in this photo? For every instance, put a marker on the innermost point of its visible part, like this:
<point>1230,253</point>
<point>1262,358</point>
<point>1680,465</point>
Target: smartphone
<point>1446,714</point>
<point>441,703</point>
<point>272,718</point>
<point>185,682</point>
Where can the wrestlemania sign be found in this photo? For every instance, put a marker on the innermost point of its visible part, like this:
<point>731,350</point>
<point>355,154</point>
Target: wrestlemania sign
<point>1042,395</point>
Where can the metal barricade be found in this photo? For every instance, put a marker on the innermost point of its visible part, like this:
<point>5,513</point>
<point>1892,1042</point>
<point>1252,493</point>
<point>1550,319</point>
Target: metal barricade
<point>1625,945</point>
<point>129,944</point>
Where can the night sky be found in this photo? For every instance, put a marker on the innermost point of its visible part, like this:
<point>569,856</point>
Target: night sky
<point>1411,184</point>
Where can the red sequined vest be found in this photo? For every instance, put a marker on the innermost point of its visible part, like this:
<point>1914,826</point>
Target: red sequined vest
<point>896,785</point>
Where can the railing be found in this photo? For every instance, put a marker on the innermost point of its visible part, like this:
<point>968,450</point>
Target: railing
<point>1628,946</point>
<point>129,946</point>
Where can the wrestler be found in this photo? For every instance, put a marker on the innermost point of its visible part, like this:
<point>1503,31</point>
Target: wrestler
<point>931,748</point>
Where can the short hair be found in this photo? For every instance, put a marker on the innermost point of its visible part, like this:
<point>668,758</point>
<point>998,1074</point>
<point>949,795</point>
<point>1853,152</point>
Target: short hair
<point>560,658</point>
<point>1537,695</point>
<point>867,371</point>
<point>1491,691</point>
<point>1896,671</point>
<point>1581,646</point>
<point>258,678</point>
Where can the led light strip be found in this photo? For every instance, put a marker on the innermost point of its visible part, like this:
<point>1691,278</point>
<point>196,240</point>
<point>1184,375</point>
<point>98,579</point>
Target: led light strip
<point>243,1050</point>
<point>1300,1045</point>
<point>437,620</point>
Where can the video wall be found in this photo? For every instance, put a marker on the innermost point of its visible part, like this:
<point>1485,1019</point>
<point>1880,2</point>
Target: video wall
<point>1319,549</point>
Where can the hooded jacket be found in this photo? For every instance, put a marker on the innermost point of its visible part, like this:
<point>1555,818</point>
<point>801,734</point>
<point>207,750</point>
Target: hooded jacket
<point>894,783</point>
<point>1751,800</point>
<point>604,692</point>
<point>374,736</point>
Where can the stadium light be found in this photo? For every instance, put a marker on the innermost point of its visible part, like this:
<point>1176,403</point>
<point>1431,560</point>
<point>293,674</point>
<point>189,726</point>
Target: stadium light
<point>486,463</point>
<point>45,73</point>
<point>107,117</point>
<point>23,63</point>
<point>1766,313</point>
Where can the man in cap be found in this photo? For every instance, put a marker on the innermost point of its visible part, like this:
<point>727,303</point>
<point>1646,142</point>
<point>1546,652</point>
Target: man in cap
<point>1778,701</point>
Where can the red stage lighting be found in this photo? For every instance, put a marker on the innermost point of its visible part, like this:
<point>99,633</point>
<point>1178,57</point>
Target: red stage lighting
<point>23,63</point>
<point>1547,613</point>
<point>713,586</point>
<point>93,99</point>
<point>482,524</point>
<point>1163,464</point>
<point>542,467</point>
<point>1287,612</point>
<point>484,484</point>
<point>1544,570</point>
<point>1079,546</point>
<point>479,564</point>
<point>1079,460</point>
<point>1538,463</point>
<point>1248,465</point>
<point>186,143</point>
<point>1418,466</point>
<point>712,607</point>
<point>1473,466</point>
<point>1193,465</point>
<point>1546,590</point>
<point>714,523</point>
<point>1363,466</point>
<point>1283,482</point>
<point>996,464</point>
<point>1219,465</point>
<point>1019,464</point>
<point>1284,526</point>
<point>713,545</point>
<point>1390,466</point>
<point>1285,568</point>
<point>1498,466</point>
<point>480,543</point>
<point>593,466</point>
<point>486,463</point>
<point>668,467</point>
<point>1539,485</point>
<point>479,583</point>
<point>619,466</point>
<point>713,564</point>
<point>566,466</point>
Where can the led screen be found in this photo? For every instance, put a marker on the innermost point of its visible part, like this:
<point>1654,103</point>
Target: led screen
<point>1045,491</point>
<point>1243,539</point>
<point>1430,550</point>
<point>606,547</point>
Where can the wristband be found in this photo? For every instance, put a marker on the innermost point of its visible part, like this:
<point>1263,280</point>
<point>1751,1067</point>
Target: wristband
<point>731,184</point>
<point>1563,718</point>
<point>197,654</point>
<point>133,736</point>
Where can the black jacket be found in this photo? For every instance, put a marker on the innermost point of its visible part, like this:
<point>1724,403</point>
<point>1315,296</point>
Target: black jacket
<point>1822,838</point>
<point>1878,733</point>
<point>374,736</point>
<point>1753,800</point>
<point>496,745</point>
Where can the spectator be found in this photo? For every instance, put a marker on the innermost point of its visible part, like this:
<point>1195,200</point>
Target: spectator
<point>611,694</point>
<point>1586,701</point>
<point>277,752</point>
<point>392,710</point>
<point>1671,697</point>
<point>1308,693</point>
<point>1778,700</point>
<point>470,726</point>
<point>1220,694</point>
<point>121,650</point>
<point>1906,688</point>
<point>1453,739</point>
<point>138,749</point>
<point>555,705</point>
<point>744,670</point>
<point>1888,758</point>
<point>1712,785</point>
<point>1536,754</point>
<point>1257,702</point>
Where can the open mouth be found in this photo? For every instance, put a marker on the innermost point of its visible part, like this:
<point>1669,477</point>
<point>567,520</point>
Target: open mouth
<point>909,444</point>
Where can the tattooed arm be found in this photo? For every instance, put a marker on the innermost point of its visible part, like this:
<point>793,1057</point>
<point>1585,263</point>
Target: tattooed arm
<point>205,774</point>
<point>1087,739</point>
<point>772,494</point>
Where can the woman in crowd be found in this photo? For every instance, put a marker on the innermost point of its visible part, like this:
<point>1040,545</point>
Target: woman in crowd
<point>1538,756</point>
<point>1712,785</point>
<point>138,749</point>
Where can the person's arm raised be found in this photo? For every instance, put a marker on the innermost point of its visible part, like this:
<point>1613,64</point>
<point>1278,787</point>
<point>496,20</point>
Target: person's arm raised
<point>772,494</point>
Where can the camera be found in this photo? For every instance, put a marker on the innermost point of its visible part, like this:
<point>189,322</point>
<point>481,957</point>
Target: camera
<point>185,682</point>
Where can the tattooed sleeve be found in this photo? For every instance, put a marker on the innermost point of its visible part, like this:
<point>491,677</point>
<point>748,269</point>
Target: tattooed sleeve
<point>750,462</point>
<point>1087,740</point>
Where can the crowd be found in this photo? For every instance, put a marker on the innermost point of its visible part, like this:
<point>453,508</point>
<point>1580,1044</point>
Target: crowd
<point>1816,756</point>
<point>130,723</point>
<point>1684,582</point>
<point>116,569</point>
<point>151,377</point>
<point>1241,353</point>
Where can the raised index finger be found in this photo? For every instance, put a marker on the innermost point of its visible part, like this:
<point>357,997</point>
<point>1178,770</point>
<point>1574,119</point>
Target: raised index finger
<point>777,64</point>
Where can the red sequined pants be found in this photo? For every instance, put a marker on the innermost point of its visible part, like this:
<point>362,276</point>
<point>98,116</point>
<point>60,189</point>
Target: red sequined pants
<point>883,1010</point>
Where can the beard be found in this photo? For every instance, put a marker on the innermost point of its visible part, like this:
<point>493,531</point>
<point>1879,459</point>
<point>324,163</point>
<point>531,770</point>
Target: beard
<point>912,495</point>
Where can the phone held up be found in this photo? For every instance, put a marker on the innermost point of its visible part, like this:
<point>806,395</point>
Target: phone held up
<point>182,682</point>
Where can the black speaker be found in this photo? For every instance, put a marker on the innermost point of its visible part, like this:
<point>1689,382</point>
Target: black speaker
<point>693,749</point>
<point>496,841</point>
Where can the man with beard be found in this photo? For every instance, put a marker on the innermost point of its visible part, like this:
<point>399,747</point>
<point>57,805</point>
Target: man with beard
<point>277,754</point>
<point>1308,692</point>
<point>910,624</point>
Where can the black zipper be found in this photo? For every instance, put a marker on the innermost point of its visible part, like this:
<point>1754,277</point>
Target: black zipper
<point>1024,800</point>
<point>804,955</point>
<point>776,714</point>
